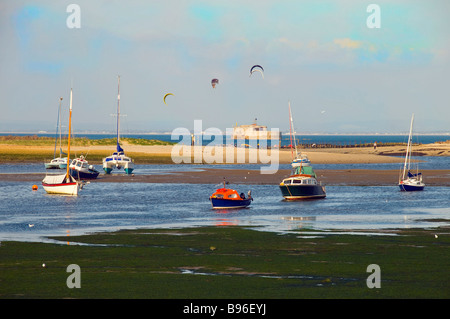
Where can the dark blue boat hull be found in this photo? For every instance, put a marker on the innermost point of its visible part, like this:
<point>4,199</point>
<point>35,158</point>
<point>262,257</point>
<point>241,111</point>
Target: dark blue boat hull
<point>79,175</point>
<point>219,203</point>
<point>294,192</point>
<point>410,188</point>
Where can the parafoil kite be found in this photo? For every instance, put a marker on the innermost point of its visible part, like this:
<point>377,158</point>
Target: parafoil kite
<point>257,68</point>
<point>165,97</point>
<point>214,82</point>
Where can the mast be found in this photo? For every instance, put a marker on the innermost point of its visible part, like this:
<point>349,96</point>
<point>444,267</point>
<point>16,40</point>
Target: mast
<point>118,113</point>
<point>59,117</point>
<point>290,129</point>
<point>293,131</point>
<point>56,133</point>
<point>408,148</point>
<point>68,142</point>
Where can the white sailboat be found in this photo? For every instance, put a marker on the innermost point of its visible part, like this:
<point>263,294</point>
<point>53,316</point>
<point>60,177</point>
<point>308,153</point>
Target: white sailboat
<point>297,159</point>
<point>118,159</point>
<point>58,162</point>
<point>409,181</point>
<point>63,184</point>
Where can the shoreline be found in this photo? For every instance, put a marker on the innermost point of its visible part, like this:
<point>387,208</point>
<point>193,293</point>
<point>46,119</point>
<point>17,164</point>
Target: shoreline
<point>347,177</point>
<point>162,154</point>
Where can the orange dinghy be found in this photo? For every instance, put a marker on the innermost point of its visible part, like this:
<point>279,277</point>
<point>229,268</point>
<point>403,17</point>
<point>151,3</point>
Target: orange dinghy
<point>224,198</point>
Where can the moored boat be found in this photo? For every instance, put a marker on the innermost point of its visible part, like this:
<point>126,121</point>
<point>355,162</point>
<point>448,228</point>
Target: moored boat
<point>57,163</point>
<point>118,159</point>
<point>302,184</point>
<point>63,184</point>
<point>409,181</point>
<point>81,170</point>
<point>226,198</point>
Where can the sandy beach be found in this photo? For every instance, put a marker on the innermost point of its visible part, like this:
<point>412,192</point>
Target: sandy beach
<point>366,155</point>
<point>145,154</point>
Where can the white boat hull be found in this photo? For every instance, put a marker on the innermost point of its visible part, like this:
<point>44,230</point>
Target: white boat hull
<point>111,162</point>
<point>57,184</point>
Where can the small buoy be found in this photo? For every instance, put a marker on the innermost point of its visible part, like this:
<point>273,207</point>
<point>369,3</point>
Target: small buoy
<point>35,187</point>
<point>43,266</point>
<point>30,225</point>
<point>435,236</point>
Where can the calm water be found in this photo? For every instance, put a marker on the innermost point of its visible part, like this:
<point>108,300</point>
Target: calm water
<point>113,206</point>
<point>426,162</point>
<point>285,141</point>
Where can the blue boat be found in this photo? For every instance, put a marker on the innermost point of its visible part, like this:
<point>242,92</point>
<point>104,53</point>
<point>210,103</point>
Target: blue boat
<point>302,184</point>
<point>412,183</point>
<point>81,170</point>
<point>226,198</point>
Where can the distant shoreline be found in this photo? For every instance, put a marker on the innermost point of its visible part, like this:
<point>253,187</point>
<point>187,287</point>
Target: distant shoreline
<point>283,133</point>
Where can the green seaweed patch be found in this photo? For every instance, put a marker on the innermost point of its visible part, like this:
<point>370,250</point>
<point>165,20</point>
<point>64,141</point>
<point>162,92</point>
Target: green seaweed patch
<point>229,262</point>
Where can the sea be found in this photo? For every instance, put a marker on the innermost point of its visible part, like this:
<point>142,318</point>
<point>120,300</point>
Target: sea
<point>35,216</point>
<point>338,140</point>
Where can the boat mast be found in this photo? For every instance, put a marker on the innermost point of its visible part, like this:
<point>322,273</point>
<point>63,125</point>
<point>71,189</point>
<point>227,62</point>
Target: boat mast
<point>408,148</point>
<point>60,139</point>
<point>56,133</point>
<point>290,129</point>
<point>118,112</point>
<point>68,142</point>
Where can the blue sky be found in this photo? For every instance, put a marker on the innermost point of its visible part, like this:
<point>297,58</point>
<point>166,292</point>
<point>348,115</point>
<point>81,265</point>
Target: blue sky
<point>319,55</point>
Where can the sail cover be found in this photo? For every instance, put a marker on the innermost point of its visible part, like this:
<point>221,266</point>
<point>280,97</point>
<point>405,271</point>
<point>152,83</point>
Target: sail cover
<point>119,149</point>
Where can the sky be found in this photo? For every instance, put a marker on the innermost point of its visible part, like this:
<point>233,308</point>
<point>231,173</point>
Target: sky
<point>338,74</point>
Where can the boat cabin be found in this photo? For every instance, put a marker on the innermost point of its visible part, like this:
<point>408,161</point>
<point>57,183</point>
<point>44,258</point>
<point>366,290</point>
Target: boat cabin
<point>300,181</point>
<point>226,193</point>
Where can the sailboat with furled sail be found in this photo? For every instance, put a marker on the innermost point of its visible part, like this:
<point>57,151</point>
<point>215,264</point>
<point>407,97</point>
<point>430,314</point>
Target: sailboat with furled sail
<point>297,159</point>
<point>118,159</point>
<point>58,162</point>
<point>302,183</point>
<point>63,184</point>
<point>410,181</point>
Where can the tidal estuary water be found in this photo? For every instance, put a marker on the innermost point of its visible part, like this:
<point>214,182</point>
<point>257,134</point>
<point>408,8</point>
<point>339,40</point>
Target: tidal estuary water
<point>27,215</point>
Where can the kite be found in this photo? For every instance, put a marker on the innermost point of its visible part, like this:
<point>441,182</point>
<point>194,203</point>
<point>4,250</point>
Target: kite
<point>257,68</point>
<point>165,97</point>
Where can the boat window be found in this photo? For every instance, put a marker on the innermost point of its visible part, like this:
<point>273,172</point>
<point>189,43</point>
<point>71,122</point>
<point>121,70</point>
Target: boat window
<point>79,164</point>
<point>218,196</point>
<point>85,165</point>
<point>297,181</point>
<point>233,196</point>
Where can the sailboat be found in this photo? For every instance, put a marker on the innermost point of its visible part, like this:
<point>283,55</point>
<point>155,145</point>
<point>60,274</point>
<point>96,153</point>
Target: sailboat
<point>118,159</point>
<point>63,184</point>
<point>297,159</point>
<point>302,183</point>
<point>58,162</point>
<point>409,181</point>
